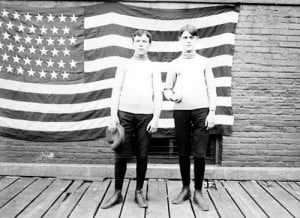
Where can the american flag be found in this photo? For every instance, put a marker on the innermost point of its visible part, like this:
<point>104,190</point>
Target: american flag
<point>57,66</point>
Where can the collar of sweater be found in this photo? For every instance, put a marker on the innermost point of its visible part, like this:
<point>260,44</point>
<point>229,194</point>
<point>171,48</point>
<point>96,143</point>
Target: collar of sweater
<point>188,55</point>
<point>140,58</point>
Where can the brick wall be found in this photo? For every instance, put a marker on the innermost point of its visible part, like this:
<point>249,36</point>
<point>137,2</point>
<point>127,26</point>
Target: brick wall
<point>266,89</point>
<point>265,95</point>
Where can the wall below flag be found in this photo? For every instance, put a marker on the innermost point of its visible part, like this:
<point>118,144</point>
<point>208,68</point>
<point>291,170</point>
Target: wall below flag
<point>57,66</point>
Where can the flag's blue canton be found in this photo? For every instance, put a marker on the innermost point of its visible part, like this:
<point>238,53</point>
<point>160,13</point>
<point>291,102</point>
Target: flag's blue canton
<point>39,46</point>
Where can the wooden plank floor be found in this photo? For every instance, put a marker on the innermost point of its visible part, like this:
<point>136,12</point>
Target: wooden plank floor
<point>31,197</point>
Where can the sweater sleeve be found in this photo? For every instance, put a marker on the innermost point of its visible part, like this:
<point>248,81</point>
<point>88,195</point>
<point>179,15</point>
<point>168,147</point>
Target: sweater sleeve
<point>211,87</point>
<point>117,89</point>
<point>157,92</point>
<point>170,82</point>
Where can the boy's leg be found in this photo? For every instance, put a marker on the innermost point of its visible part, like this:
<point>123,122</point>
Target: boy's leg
<point>200,140</point>
<point>183,138</point>
<point>122,154</point>
<point>141,169</point>
<point>143,145</point>
<point>199,169</point>
<point>120,170</point>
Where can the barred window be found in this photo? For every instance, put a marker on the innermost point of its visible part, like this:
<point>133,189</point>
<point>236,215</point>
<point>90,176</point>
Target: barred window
<point>164,150</point>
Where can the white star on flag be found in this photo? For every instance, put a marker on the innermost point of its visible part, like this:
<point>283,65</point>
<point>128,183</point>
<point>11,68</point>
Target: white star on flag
<point>65,75</point>
<point>72,40</point>
<point>73,64</point>
<point>5,13</point>
<point>16,59</point>
<point>66,30</point>
<point>28,17</point>
<point>10,47</point>
<point>9,68</point>
<point>61,64</point>
<point>31,72</point>
<point>54,52</point>
<point>50,63</point>
<point>5,35</point>
<point>62,18</point>
<point>54,30</point>
<point>16,15</point>
<point>21,27</point>
<point>74,18</point>
<point>44,51</point>
<point>53,75</point>
<point>61,41</point>
<point>50,18</point>
<point>27,39</point>
<point>42,74</point>
<point>39,40</point>
<point>27,61</point>
<point>43,30</point>
<point>21,48</point>
<point>9,25</point>
<point>39,18</point>
<point>50,41</point>
<point>66,52</point>
<point>38,62</point>
<point>20,70</point>
<point>5,57</point>
<point>32,29</point>
<point>32,50</point>
<point>17,38</point>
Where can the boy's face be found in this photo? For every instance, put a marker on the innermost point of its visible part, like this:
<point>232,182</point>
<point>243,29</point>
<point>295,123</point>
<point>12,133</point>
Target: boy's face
<point>188,42</point>
<point>141,44</point>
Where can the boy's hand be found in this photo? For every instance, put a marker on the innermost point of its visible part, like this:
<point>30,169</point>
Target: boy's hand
<point>176,97</point>
<point>114,121</point>
<point>152,126</point>
<point>210,120</point>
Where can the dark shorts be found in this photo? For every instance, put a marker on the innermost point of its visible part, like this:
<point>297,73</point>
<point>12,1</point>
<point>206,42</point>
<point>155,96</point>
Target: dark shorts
<point>191,133</point>
<point>137,139</point>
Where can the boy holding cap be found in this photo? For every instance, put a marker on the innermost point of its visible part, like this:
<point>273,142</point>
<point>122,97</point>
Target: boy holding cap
<point>136,103</point>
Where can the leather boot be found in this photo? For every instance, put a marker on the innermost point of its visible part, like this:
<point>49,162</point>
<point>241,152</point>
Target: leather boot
<point>140,199</point>
<point>116,198</point>
<point>183,195</point>
<point>200,200</point>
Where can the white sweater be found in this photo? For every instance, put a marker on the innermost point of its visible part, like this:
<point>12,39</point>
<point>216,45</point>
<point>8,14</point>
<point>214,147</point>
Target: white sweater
<point>137,88</point>
<point>193,79</point>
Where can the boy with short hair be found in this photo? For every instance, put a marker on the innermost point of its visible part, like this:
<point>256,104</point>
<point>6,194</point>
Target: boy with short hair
<point>136,105</point>
<point>190,84</point>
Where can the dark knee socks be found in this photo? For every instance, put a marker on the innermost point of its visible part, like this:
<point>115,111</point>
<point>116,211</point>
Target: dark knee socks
<point>141,168</point>
<point>120,170</point>
<point>184,165</point>
<point>199,168</point>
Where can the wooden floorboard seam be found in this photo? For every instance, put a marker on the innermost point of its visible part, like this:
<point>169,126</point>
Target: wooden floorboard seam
<point>253,199</point>
<point>34,197</point>
<point>236,204</point>
<point>278,201</point>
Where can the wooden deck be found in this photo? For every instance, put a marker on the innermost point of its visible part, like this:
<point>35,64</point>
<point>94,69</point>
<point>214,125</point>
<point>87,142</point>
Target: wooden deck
<point>50,197</point>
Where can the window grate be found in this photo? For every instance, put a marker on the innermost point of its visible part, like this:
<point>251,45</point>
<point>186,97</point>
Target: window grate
<point>164,150</point>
